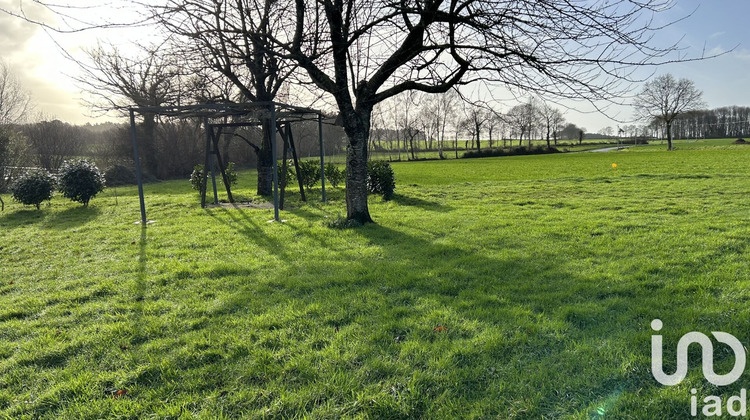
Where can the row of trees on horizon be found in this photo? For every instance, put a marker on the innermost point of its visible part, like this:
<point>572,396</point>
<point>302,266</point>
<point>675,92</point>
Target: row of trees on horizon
<point>402,126</point>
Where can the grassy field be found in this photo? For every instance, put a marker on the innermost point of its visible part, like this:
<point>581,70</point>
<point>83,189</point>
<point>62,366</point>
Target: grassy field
<point>450,153</point>
<point>516,287</point>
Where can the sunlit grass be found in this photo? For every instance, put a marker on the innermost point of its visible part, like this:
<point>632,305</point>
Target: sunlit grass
<point>544,273</point>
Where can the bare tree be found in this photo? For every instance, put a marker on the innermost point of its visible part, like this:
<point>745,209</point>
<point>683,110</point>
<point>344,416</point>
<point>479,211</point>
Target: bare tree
<point>557,123</point>
<point>428,123</point>
<point>15,101</point>
<point>53,142</point>
<point>445,109</point>
<point>13,155</point>
<point>115,82</point>
<point>475,119</point>
<point>494,122</point>
<point>363,52</point>
<point>407,119</point>
<point>524,118</point>
<point>552,119</point>
<point>232,39</point>
<point>665,98</point>
<point>607,131</point>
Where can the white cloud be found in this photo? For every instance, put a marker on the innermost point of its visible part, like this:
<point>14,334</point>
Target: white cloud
<point>717,50</point>
<point>742,54</point>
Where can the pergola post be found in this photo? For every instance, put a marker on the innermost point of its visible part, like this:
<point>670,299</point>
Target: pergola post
<point>138,177</point>
<point>322,157</point>
<point>213,152</point>
<point>272,133</point>
<point>207,111</point>
<point>204,177</point>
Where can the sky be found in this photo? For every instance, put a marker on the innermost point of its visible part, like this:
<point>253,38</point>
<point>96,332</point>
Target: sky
<point>713,27</point>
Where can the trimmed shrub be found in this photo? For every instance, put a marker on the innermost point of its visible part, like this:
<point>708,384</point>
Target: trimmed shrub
<point>380,179</point>
<point>80,181</point>
<point>197,176</point>
<point>33,188</point>
<point>334,175</point>
<point>309,171</point>
<point>119,175</point>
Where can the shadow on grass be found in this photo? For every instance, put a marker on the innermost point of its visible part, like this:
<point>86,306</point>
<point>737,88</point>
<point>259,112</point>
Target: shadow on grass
<point>139,288</point>
<point>420,202</point>
<point>25,216</point>
<point>514,321</point>
<point>510,312</point>
<point>247,227</point>
<point>72,217</point>
<point>473,292</point>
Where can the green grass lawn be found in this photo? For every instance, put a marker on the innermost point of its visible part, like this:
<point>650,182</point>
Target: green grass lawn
<point>515,287</point>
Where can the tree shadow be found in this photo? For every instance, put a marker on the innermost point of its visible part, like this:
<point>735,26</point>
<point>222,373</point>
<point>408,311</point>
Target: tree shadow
<point>243,224</point>
<point>25,216</point>
<point>71,217</point>
<point>420,202</point>
<point>139,289</point>
<point>472,292</point>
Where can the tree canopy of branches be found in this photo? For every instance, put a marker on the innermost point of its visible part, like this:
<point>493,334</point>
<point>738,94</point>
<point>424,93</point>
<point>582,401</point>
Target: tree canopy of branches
<point>553,121</point>
<point>231,39</point>
<point>53,142</point>
<point>15,101</point>
<point>665,98</point>
<point>116,81</point>
<point>360,53</point>
<point>363,52</point>
<point>476,117</point>
<point>523,118</point>
<point>722,122</point>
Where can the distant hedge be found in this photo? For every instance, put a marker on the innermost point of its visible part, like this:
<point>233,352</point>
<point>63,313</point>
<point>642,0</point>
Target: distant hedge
<point>536,150</point>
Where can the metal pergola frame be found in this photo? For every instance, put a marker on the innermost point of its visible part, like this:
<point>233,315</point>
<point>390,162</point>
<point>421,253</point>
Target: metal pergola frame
<point>253,114</point>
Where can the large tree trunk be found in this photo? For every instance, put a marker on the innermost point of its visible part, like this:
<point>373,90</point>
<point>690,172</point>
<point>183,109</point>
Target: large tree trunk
<point>669,135</point>
<point>356,179</point>
<point>265,161</point>
<point>358,133</point>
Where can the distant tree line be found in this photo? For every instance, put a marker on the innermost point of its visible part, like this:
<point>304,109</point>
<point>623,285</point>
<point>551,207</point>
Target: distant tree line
<point>177,146</point>
<point>723,122</point>
<point>411,122</point>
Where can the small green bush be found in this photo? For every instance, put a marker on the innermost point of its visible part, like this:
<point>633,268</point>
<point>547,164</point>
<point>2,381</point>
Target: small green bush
<point>119,175</point>
<point>380,179</point>
<point>80,181</point>
<point>310,173</point>
<point>334,175</point>
<point>196,178</point>
<point>33,188</point>
<point>231,174</point>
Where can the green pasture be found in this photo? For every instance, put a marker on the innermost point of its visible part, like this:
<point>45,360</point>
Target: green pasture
<point>423,152</point>
<point>510,288</point>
